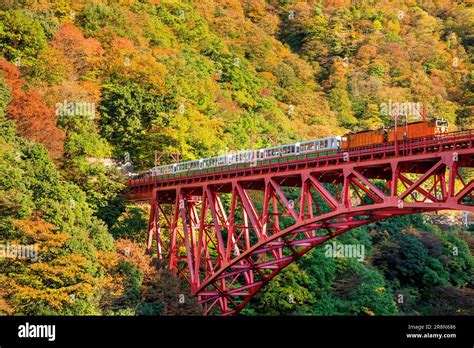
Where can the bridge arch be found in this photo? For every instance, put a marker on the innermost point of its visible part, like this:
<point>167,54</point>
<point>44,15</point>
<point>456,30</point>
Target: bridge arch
<point>210,291</point>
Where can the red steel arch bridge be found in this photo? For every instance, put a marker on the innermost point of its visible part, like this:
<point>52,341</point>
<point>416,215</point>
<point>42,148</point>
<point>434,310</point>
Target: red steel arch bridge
<point>230,231</point>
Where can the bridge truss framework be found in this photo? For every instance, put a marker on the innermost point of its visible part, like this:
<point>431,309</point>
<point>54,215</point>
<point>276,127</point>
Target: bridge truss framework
<point>229,233</point>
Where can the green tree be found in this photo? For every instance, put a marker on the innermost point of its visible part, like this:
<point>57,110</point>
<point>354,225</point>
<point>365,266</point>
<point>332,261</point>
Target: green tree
<point>21,36</point>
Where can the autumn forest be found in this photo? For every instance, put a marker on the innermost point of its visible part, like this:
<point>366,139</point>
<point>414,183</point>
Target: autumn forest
<point>88,87</point>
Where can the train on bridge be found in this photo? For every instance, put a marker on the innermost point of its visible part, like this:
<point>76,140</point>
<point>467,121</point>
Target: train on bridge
<point>310,149</point>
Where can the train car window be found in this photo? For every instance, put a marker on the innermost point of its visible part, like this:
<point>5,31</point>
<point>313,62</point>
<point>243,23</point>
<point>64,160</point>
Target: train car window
<point>442,123</point>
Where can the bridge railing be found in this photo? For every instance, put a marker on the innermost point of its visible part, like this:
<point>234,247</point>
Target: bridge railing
<point>405,147</point>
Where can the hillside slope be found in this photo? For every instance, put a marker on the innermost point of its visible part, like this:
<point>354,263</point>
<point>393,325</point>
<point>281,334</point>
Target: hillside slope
<point>81,82</point>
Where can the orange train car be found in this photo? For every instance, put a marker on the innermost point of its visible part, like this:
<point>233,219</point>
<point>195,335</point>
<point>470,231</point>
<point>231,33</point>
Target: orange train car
<point>431,128</point>
<point>419,130</point>
<point>362,139</point>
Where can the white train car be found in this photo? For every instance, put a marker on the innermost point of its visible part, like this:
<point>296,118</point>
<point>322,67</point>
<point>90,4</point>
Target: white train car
<point>251,156</point>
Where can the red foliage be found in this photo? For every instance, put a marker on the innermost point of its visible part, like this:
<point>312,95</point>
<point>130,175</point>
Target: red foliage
<point>82,53</point>
<point>34,119</point>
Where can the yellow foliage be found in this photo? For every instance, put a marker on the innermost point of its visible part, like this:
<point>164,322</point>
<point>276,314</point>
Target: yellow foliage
<point>368,311</point>
<point>40,231</point>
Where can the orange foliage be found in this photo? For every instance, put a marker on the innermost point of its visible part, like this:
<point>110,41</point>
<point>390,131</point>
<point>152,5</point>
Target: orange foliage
<point>34,120</point>
<point>55,282</point>
<point>40,231</point>
<point>131,252</point>
<point>81,53</point>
